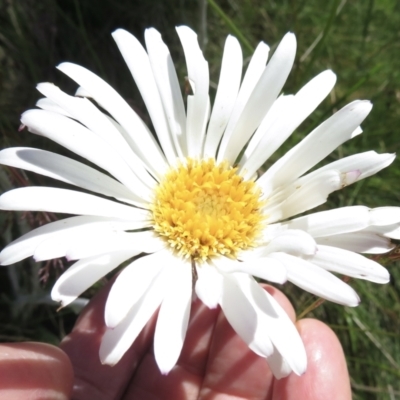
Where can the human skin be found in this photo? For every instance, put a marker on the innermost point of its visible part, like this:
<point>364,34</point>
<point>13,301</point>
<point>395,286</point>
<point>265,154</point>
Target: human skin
<point>215,364</point>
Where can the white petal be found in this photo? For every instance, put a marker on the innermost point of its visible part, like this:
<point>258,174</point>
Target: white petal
<point>197,104</point>
<point>133,162</point>
<point>303,104</point>
<point>262,267</point>
<point>67,170</point>
<point>90,243</point>
<point>317,281</point>
<point>243,317</point>
<point>228,87</point>
<point>384,216</point>
<point>54,247</point>
<point>168,87</point>
<point>282,105</point>
<point>82,141</point>
<point>89,115</point>
<point>131,285</point>
<point>356,132</point>
<point>316,146</point>
<point>69,202</point>
<point>297,198</point>
<point>253,73</point>
<point>82,92</point>
<point>331,222</point>
<point>140,138</point>
<point>292,241</point>
<point>260,101</point>
<point>50,105</point>
<point>109,242</point>
<point>368,163</point>
<point>209,285</point>
<point>275,323</point>
<point>83,274</point>
<point>359,242</point>
<point>116,341</point>
<point>173,317</point>
<point>25,245</point>
<point>350,264</point>
<point>389,231</point>
<point>138,63</point>
<point>278,365</point>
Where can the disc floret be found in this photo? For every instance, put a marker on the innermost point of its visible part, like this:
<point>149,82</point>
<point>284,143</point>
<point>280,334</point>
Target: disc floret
<point>203,209</point>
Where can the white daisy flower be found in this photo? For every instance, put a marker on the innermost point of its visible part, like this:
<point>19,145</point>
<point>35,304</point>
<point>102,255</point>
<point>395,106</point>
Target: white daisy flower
<point>189,201</point>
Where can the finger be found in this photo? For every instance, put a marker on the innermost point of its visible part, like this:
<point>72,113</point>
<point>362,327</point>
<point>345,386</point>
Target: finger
<point>34,371</point>
<point>185,379</point>
<point>326,376</point>
<point>92,379</point>
<point>233,370</point>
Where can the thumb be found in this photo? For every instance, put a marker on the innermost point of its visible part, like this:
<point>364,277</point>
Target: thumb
<point>34,371</point>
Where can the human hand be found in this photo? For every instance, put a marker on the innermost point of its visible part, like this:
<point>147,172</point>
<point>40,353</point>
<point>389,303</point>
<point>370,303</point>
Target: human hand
<point>214,364</point>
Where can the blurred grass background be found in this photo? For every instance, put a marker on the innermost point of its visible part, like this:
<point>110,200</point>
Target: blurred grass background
<point>358,40</point>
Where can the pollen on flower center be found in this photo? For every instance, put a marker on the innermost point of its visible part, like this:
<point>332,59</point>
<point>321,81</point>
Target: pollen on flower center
<point>202,210</point>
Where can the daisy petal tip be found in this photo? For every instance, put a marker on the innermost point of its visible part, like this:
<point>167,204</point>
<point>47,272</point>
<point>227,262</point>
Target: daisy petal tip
<point>351,299</point>
<point>302,370</point>
<point>330,72</point>
<point>165,372</point>
<point>40,256</point>
<point>356,302</point>
<point>367,105</point>
<point>106,361</point>
<point>290,39</point>
<point>211,306</point>
<point>312,251</point>
<point>109,321</point>
<point>283,375</point>
<point>42,85</point>
<point>66,66</point>
<point>61,302</point>
<point>383,277</point>
<point>164,365</point>
<point>356,132</point>
<point>152,32</point>
<point>384,281</point>
<point>315,251</point>
<point>186,31</point>
<point>26,114</point>
<point>183,28</point>
<point>391,157</point>
<point>330,76</point>
<point>106,357</point>
<point>63,65</point>
<point>58,297</point>
<point>284,280</point>
<point>4,261</point>
<point>118,31</point>
<point>122,36</point>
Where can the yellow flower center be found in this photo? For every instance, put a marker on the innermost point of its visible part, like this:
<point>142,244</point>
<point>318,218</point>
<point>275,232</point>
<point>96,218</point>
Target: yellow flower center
<point>203,210</point>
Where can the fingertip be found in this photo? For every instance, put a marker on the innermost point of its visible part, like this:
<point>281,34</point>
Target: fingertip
<point>326,376</point>
<point>327,367</point>
<point>34,371</point>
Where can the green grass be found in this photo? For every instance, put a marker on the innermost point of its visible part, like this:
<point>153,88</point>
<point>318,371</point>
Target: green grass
<point>358,40</point>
